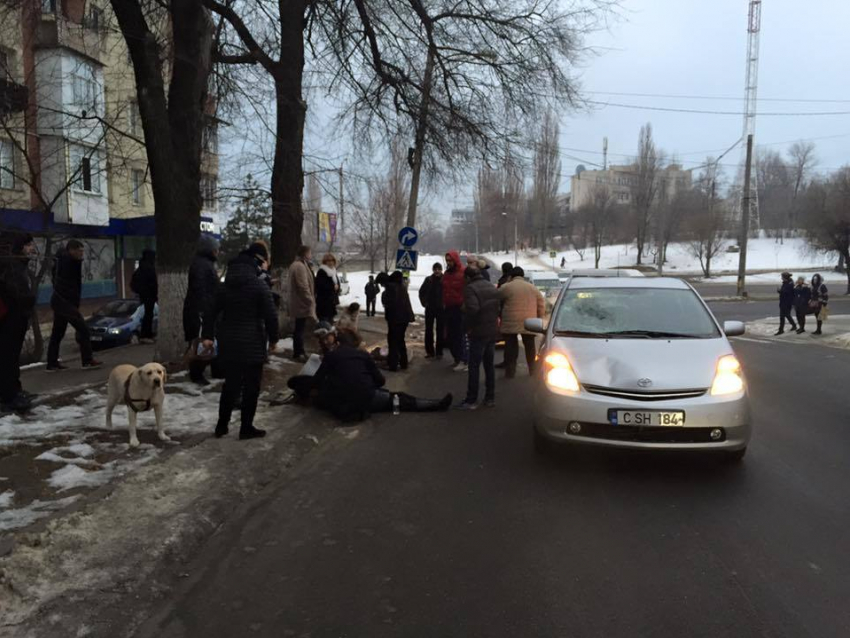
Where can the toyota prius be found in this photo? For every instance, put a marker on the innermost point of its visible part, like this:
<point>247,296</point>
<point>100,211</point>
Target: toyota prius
<point>639,363</point>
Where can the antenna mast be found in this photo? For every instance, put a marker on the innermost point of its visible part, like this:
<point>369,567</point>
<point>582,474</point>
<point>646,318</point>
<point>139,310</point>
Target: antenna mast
<point>751,104</point>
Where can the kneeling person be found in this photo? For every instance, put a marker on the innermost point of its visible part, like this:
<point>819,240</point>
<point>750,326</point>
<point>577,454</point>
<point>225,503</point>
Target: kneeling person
<point>350,386</point>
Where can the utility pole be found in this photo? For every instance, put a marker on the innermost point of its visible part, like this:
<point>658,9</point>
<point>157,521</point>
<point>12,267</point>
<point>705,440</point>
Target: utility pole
<point>516,237</point>
<point>604,153</point>
<point>745,218</point>
<point>340,225</point>
<point>751,87</point>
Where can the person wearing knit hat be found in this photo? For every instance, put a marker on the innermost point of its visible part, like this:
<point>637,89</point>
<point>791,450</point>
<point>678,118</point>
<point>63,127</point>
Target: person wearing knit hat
<point>17,299</point>
<point>786,302</point>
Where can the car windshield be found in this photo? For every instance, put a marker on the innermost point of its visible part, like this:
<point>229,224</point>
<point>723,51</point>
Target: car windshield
<point>121,308</point>
<point>634,313</point>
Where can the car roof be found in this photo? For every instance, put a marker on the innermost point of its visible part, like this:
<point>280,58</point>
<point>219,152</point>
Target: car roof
<point>670,283</point>
<point>607,272</point>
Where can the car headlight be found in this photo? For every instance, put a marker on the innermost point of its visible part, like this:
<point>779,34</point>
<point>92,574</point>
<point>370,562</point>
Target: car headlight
<point>727,378</point>
<point>559,373</point>
<point>115,331</point>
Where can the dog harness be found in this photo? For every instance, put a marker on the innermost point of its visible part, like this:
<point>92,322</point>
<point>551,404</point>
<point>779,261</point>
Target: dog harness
<point>130,401</point>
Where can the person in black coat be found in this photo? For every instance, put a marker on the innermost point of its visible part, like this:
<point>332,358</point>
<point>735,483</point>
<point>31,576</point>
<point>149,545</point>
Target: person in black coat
<point>481,308</point>
<point>351,387</point>
<point>431,298</point>
<point>17,300</point>
<point>372,290</point>
<point>244,320</point>
<point>144,284</point>
<point>399,313</point>
<point>200,299</point>
<point>802,296</point>
<point>65,301</point>
<point>327,289</point>
<point>507,274</point>
<point>786,302</point>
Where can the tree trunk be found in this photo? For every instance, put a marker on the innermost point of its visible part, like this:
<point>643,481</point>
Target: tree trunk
<point>287,172</point>
<point>419,145</point>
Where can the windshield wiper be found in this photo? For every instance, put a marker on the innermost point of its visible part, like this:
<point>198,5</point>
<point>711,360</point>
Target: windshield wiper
<point>652,334</point>
<point>576,333</point>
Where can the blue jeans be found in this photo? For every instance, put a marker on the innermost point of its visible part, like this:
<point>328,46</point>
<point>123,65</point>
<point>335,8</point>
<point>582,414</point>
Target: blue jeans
<point>481,351</point>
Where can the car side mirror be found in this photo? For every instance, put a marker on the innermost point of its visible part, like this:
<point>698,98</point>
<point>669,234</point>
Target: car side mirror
<point>535,325</point>
<point>734,328</point>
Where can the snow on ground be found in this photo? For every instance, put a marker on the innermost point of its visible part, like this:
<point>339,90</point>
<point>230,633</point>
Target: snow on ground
<point>836,332</point>
<point>83,453</point>
<point>768,278</point>
<point>358,280</point>
<point>762,254</point>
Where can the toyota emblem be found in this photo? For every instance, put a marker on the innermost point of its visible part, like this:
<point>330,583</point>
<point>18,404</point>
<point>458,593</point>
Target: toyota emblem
<point>645,383</point>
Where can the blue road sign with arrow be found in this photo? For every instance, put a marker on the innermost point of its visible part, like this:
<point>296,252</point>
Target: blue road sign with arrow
<point>408,236</point>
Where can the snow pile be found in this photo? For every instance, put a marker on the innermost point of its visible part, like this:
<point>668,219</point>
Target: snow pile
<point>12,519</point>
<point>762,254</point>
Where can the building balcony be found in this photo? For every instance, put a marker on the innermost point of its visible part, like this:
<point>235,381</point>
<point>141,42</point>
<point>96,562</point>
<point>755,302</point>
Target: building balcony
<point>13,97</point>
<point>55,31</point>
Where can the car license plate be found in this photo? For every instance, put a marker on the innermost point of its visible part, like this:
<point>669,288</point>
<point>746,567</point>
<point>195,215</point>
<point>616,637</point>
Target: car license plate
<point>655,418</point>
<point>96,338</point>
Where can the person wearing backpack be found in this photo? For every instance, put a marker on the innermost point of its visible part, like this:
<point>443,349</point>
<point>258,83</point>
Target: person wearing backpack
<point>65,301</point>
<point>17,300</point>
<point>144,284</point>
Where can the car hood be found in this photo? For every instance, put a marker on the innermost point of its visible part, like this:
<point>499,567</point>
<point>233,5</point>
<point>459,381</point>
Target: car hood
<point>675,364</point>
<point>108,322</point>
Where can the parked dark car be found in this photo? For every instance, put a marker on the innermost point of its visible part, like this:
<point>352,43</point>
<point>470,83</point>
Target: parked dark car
<point>118,323</point>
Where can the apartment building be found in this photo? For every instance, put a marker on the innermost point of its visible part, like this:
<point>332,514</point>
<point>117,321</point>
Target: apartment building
<point>72,155</point>
<point>621,181</point>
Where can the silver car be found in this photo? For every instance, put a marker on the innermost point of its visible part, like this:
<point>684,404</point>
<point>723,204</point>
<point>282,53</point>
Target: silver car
<point>639,363</point>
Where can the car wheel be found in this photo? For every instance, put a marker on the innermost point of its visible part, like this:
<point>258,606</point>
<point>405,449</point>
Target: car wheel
<point>542,445</point>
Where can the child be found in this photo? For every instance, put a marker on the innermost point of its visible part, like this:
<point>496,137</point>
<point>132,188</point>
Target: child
<point>350,319</point>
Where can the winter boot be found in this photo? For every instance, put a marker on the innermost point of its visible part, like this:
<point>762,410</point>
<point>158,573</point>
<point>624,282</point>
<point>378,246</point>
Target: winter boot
<point>251,432</point>
<point>409,403</point>
<point>778,332</point>
<point>221,429</point>
<point>818,331</point>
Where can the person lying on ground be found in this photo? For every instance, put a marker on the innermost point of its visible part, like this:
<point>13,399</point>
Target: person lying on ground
<point>349,385</point>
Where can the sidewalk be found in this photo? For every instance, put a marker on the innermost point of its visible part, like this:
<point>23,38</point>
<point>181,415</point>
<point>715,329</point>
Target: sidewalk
<point>836,332</point>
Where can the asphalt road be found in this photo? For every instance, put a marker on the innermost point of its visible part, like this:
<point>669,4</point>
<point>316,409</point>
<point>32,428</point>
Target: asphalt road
<point>438,526</point>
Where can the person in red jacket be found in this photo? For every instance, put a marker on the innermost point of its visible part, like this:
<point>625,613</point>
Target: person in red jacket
<point>453,284</point>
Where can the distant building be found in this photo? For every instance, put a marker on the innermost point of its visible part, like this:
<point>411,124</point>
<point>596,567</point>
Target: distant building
<point>621,181</point>
<point>463,216</point>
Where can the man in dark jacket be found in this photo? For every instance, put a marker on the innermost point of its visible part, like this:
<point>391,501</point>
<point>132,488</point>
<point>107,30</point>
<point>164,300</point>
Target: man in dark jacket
<point>145,285</point>
<point>372,290</point>
<point>67,292</point>
<point>398,313</point>
<point>16,303</point>
<point>431,298</point>
<point>802,296</point>
<point>200,299</point>
<point>481,320</point>
<point>786,302</point>
<point>244,319</point>
<point>507,274</point>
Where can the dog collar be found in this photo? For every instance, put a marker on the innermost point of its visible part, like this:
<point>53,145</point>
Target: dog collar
<point>130,401</point>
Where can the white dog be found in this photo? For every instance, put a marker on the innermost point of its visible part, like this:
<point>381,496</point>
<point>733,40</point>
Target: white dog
<point>140,389</point>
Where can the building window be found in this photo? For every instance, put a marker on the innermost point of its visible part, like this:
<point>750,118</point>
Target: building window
<point>48,6</point>
<point>85,90</point>
<point>88,166</point>
<point>135,118</point>
<point>137,182</point>
<point>7,164</point>
<point>210,138</point>
<point>208,192</point>
<point>95,18</point>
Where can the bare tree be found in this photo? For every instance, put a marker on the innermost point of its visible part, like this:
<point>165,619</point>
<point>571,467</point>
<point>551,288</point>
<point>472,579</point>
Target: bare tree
<point>802,161</point>
<point>648,165</point>
<point>546,172</point>
<point>827,209</point>
<point>706,218</point>
<point>174,107</point>
<point>600,218</point>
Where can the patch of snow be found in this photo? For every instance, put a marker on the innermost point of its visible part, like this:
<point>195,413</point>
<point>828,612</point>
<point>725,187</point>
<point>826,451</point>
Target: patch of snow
<point>761,278</point>
<point>21,517</point>
<point>56,458</point>
<point>762,254</point>
<point>72,476</point>
<point>6,498</point>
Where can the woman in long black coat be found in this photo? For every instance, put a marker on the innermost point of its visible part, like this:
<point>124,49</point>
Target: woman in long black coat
<point>245,322</point>
<point>327,289</point>
<point>802,296</point>
<point>399,314</point>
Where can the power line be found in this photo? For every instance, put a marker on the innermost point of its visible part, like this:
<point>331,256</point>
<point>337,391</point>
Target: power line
<point>665,109</point>
<point>717,97</point>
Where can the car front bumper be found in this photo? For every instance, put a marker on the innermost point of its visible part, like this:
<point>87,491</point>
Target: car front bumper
<point>731,415</point>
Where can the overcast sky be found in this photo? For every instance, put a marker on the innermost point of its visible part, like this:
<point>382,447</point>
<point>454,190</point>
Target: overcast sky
<point>685,48</point>
<point>691,48</point>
